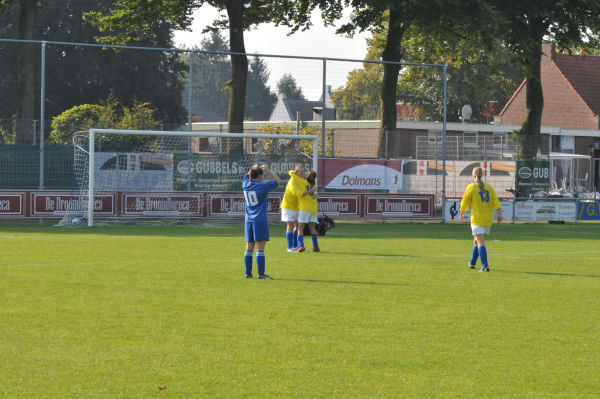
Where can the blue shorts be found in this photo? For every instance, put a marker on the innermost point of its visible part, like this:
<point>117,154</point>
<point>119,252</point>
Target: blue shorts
<point>257,230</point>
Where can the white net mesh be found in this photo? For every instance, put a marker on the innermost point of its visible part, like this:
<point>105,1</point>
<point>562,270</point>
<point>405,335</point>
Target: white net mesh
<point>170,177</point>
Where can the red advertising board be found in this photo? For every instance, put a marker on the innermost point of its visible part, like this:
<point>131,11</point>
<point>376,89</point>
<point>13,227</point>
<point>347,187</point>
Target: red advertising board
<point>53,204</point>
<point>398,206</point>
<point>234,204</point>
<point>12,204</point>
<point>162,204</point>
<point>340,205</point>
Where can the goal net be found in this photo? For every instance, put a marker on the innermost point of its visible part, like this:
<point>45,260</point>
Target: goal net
<point>156,177</point>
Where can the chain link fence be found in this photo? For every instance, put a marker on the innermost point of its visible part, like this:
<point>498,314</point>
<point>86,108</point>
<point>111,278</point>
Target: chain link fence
<point>337,99</point>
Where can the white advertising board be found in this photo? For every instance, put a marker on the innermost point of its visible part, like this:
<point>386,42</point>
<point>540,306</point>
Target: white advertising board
<point>530,211</point>
<point>452,211</point>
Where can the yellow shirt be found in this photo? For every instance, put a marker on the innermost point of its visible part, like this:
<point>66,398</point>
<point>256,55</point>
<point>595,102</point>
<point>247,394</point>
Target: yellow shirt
<point>482,203</point>
<point>307,203</point>
<point>293,191</point>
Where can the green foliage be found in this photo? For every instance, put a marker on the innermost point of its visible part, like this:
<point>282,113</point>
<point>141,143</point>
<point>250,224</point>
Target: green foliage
<point>384,311</point>
<point>78,118</point>
<point>7,136</point>
<point>287,85</point>
<point>477,75</point>
<point>360,98</point>
<point>277,146</point>
<point>85,75</point>
<point>109,115</point>
<point>212,74</point>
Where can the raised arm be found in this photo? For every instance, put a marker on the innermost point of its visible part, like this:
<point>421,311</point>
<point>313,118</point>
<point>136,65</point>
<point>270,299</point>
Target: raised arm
<point>268,171</point>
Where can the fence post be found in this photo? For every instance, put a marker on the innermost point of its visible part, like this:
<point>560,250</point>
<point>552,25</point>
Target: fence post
<point>42,112</point>
<point>444,150</point>
<point>324,105</point>
<point>189,141</point>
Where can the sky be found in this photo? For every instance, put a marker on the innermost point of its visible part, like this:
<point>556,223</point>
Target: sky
<point>319,41</point>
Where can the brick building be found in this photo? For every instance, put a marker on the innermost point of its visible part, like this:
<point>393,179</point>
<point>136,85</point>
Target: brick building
<point>571,87</point>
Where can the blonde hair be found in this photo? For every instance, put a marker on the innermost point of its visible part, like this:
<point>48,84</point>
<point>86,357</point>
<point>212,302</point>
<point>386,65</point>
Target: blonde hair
<point>477,174</point>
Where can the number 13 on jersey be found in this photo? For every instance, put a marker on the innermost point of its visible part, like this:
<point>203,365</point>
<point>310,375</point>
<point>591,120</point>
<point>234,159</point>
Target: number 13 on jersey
<point>485,196</point>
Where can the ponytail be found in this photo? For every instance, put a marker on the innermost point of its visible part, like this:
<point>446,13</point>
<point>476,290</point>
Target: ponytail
<point>477,174</point>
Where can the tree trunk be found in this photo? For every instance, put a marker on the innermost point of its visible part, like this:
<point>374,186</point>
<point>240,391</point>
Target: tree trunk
<point>529,135</point>
<point>239,74</point>
<point>392,52</point>
<point>25,74</point>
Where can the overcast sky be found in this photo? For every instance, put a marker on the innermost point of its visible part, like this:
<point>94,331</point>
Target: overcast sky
<point>319,41</point>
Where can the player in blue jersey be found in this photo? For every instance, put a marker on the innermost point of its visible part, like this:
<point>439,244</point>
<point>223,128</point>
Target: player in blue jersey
<point>256,192</point>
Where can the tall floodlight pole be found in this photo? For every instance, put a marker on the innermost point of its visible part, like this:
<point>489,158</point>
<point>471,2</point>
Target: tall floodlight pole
<point>444,147</point>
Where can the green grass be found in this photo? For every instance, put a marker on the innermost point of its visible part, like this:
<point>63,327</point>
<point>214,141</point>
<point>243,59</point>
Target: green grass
<point>385,311</point>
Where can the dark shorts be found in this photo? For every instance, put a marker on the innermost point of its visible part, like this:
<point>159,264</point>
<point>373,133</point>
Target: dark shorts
<point>257,230</point>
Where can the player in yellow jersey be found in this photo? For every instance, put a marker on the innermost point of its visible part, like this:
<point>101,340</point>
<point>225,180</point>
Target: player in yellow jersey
<point>308,211</point>
<point>482,199</point>
<point>289,207</point>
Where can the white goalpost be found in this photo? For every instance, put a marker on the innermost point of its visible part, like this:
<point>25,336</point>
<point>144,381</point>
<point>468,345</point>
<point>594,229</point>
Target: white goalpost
<point>150,176</point>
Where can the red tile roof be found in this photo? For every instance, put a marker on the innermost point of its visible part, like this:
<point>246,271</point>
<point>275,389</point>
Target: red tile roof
<point>583,72</point>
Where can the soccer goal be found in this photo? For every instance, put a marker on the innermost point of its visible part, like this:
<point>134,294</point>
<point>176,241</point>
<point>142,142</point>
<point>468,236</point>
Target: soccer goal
<point>155,177</point>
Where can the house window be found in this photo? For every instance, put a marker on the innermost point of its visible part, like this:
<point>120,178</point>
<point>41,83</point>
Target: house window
<point>499,139</point>
<point>470,139</point>
<point>567,144</point>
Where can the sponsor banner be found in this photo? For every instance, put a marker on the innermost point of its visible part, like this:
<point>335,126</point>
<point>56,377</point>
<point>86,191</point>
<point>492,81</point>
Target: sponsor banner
<point>12,204</point>
<point>226,173</point>
<point>360,174</point>
<point>234,204</point>
<point>339,205</point>
<point>588,211</point>
<point>398,206</point>
<point>452,211</point>
<point>546,210</point>
<point>61,203</point>
<point>162,204</point>
<point>532,176</point>
<point>133,171</point>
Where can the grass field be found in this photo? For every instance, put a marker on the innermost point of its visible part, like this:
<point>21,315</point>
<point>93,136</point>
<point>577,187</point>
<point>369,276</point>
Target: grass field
<point>385,311</point>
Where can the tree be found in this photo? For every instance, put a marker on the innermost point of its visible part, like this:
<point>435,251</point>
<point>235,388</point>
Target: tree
<point>212,72</point>
<point>131,19</point>
<point>287,85</point>
<point>25,72</point>
<point>479,73</point>
<point>359,99</point>
<point>396,15</point>
<point>261,100</point>
<point>523,25</point>
<point>110,114</point>
<point>83,75</point>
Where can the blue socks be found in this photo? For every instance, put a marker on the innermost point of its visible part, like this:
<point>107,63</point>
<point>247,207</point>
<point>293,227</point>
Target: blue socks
<point>295,237</point>
<point>248,262</point>
<point>474,256</point>
<point>300,241</point>
<point>315,242</point>
<point>483,256</point>
<point>260,262</point>
<point>290,239</point>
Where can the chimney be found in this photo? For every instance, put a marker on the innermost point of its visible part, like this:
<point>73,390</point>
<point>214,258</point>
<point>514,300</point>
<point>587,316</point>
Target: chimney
<point>549,49</point>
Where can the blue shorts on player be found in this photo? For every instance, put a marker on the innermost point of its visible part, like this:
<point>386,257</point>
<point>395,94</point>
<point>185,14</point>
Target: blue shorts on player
<point>257,230</point>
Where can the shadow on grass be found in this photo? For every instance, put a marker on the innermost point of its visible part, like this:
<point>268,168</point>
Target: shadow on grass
<point>306,280</point>
<point>546,273</point>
